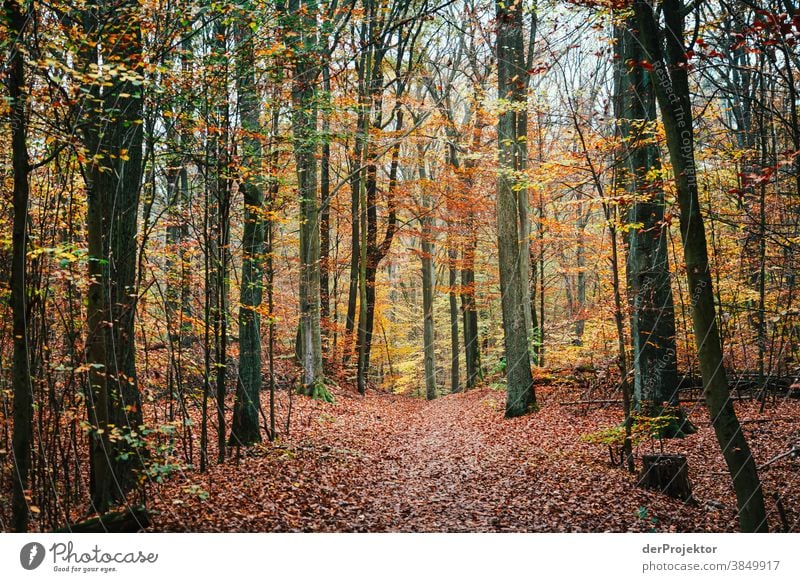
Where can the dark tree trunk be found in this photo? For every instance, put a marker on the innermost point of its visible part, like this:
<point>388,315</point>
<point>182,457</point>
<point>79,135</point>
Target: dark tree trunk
<point>245,427</point>
<point>356,184</point>
<point>671,84</point>
<point>428,282</point>
<point>650,285</point>
<point>452,254</point>
<point>22,383</point>
<point>372,251</point>
<point>274,189</point>
<point>113,185</point>
<point>325,218</point>
<point>220,225</point>
<point>472,351</point>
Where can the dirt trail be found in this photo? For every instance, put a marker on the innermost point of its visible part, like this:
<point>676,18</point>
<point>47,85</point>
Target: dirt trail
<point>388,463</point>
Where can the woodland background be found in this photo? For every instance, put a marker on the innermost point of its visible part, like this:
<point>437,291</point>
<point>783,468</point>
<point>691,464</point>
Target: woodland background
<point>214,206</point>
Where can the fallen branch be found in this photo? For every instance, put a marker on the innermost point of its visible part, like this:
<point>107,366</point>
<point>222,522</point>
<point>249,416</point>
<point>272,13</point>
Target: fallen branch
<point>128,521</point>
<point>758,420</point>
<point>578,402</point>
<point>615,401</point>
<point>793,452</point>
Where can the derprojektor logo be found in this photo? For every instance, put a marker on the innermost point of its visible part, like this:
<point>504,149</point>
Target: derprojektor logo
<point>31,555</point>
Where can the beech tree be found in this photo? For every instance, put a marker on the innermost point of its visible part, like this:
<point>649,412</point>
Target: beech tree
<point>513,228</point>
<point>210,203</point>
<point>245,428</point>
<point>113,144</point>
<point>670,82</point>
<point>649,280</point>
<point>17,22</point>
<point>304,121</point>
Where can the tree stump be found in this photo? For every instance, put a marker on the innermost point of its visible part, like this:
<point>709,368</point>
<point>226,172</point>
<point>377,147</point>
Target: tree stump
<point>666,473</point>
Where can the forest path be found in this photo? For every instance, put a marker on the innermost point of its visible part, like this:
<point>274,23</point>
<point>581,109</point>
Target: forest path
<point>395,463</point>
<point>445,474</point>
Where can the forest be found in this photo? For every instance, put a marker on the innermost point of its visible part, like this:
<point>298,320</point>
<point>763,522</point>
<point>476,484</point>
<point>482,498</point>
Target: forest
<point>400,265</point>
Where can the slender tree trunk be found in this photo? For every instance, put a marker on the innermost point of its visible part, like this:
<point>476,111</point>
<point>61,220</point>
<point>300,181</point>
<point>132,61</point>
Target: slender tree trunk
<point>373,252</point>
<point>428,277</point>
<point>22,384</point>
<point>369,235</point>
<point>452,255</point>
<point>245,427</point>
<point>354,297</point>
<point>512,203</point>
<point>671,84</point>
<point>325,216</point>
<point>540,321</point>
<point>356,184</point>
<point>304,124</point>
<point>472,352</point>
<point>221,225</point>
<point>274,190</point>
<point>580,284</point>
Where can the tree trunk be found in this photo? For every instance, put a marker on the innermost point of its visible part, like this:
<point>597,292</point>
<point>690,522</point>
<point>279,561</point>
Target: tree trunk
<point>428,276</point>
<point>512,203</point>
<point>356,185</point>
<point>650,285</point>
<point>472,352</point>
<point>113,183</point>
<point>220,219</point>
<point>372,252</point>
<point>429,337</point>
<point>245,427</point>
<point>304,123</point>
<point>325,217</point>
<point>452,254</point>
<point>274,188</point>
<point>672,91</point>
<point>22,383</point>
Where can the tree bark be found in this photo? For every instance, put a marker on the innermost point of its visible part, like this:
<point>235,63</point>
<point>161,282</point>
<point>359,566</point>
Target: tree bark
<point>304,124</point>
<point>22,384</point>
<point>472,352</point>
<point>650,285</point>
<point>245,426</point>
<point>428,276</point>
<point>671,84</point>
<point>452,254</point>
<point>114,177</point>
<point>325,216</point>
<point>512,208</point>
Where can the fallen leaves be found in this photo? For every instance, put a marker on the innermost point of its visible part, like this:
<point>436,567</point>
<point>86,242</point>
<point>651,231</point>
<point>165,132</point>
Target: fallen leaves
<point>392,463</point>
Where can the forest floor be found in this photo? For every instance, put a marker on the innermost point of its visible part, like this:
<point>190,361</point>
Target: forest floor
<point>394,463</point>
